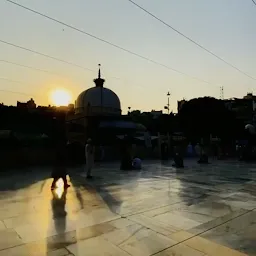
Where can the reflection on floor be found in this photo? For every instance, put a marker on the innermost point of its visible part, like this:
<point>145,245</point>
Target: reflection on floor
<point>197,211</point>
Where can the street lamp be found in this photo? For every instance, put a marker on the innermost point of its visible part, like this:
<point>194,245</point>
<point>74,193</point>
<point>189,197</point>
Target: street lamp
<point>168,103</point>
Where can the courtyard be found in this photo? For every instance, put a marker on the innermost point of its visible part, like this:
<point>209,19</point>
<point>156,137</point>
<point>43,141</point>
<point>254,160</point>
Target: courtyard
<point>197,211</point>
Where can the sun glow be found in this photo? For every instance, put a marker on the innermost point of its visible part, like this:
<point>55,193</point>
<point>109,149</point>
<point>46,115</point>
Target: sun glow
<point>60,97</point>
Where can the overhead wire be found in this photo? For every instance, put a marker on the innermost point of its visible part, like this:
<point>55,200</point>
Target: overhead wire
<point>190,39</point>
<point>16,92</point>
<point>29,67</point>
<point>13,81</point>
<point>102,40</point>
<point>50,72</point>
<point>254,2</point>
<point>45,55</point>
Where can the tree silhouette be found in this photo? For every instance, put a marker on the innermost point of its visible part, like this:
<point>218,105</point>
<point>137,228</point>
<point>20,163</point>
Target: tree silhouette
<point>204,116</point>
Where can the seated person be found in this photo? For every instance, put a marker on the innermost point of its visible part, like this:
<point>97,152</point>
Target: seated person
<point>178,161</point>
<point>136,164</point>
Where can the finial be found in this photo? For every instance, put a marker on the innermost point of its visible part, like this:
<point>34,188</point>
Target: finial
<point>99,81</point>
<point>99,75</point>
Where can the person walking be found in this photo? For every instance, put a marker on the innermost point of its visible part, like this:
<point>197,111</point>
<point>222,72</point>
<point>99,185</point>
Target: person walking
<point>89,155</point>
<point>59,170</point>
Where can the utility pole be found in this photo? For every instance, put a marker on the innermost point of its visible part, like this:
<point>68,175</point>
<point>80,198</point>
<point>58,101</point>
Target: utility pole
<point>168,102</point>
<point>222,93</point>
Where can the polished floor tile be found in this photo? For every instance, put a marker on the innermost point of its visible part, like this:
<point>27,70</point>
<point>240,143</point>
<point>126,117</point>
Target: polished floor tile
<point>200,210</point>
<point>9,238</point>
<point>146,245</point>
<point>95,247</point>
<point>180,250</point>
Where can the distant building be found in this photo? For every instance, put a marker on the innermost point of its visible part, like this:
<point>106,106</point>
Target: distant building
<point>244,109</point>
<point>154,113</point>
<point>180,104</point>
<point>71,107</point>
<point>28,105</point>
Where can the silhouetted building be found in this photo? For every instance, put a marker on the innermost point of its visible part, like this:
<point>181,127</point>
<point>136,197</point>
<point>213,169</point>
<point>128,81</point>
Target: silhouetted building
<point>180,104</point>
<point>97,115</point>
<point>98,100</point>
<point>28,105</point>
<point>244,108</point>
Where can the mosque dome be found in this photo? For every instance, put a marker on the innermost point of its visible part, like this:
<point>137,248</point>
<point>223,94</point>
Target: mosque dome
<point>98,100</point>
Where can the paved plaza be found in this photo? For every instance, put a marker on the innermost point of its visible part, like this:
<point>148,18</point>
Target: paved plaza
<point>197,211</point>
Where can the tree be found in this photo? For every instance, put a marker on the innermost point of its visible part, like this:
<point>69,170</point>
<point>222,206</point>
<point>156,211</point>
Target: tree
<point>201,117</point>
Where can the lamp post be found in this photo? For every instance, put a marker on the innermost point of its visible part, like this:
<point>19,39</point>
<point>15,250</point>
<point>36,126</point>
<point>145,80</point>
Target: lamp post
<point>168,103</point>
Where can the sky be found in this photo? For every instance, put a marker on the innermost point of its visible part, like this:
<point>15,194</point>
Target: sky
<point>226,27</point>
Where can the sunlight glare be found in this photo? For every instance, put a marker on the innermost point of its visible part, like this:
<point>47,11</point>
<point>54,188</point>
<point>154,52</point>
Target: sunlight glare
<point>60,97</point>
<point>59,188</point>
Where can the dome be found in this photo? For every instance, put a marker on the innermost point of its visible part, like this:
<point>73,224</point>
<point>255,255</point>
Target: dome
<point>95,99</point>
<point>98,100</point>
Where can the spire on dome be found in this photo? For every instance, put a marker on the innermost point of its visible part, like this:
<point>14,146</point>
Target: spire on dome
<point>99,72</point>
<point>99,81</point>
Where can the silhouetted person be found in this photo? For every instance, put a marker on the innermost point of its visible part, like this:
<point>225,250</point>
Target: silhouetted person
<point>89,154</point>
<point>102,153</point>
<point>203,155</point>
<point>126,156</point>
<point>164,150</point>
<point>136,163</point>
<point>178,157</point>
<point>59,169</point>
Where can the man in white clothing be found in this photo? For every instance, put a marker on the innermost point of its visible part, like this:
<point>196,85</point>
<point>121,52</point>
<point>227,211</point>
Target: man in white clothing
<point>89,154</point>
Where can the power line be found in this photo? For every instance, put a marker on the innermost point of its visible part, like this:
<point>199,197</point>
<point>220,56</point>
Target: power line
<point>99,39</point>
<point>254,2</point>
<point>191,40</point>
<point>16,92</point>
<point>45,55</point>
<point>13,81</point>
<point>29,67</point>
<point>47,71</point>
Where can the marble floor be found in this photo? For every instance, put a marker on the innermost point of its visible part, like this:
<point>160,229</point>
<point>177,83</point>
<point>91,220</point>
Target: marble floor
<point>197,211</point>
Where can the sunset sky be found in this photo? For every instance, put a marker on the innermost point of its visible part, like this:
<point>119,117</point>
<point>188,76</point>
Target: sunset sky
<point>226,27</point>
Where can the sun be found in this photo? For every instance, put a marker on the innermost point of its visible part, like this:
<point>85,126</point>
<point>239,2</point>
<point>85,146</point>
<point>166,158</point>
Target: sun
<point>60,97</point>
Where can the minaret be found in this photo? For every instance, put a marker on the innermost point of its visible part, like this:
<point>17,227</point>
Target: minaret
<point>99,81</point>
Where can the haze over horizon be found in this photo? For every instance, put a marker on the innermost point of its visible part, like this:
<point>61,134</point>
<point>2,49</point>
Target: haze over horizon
<point>227,28</point>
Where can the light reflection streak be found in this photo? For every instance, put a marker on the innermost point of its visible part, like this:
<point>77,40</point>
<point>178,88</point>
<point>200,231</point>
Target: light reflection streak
<point>59,188</point>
